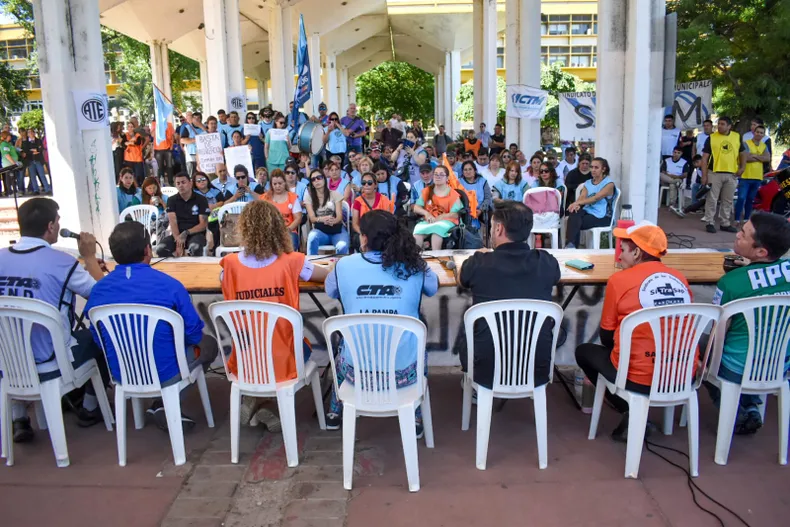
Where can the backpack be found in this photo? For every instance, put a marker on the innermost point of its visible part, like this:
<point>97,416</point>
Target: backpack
<point>228,235</point>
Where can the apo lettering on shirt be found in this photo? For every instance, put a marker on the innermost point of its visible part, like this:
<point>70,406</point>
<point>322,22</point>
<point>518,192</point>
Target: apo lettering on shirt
<point>267,292</point>
<point>768,276</point>
<point>18,286</point>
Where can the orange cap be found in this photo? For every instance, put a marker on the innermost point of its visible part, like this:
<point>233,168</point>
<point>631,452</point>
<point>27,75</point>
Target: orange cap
<point>647,236</point>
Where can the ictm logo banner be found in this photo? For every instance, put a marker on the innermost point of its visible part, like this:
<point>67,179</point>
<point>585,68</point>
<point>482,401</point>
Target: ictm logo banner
<point>577,116</point>
<point>525,102</point>
<point>692,104</point>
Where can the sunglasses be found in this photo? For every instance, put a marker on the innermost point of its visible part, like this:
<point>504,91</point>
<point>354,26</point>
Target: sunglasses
<point>545,171</point>
<point>241,177</point>
<point>334,119</point>
<point>317,178</point>
<point>290,173</point>
<point>250,117</point>
<point>368,183</point>
<point>201,180</point>
<point>280,122</point>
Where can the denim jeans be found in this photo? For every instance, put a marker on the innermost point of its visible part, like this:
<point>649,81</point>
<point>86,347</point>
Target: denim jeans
<point>747,191</point>
<point>36,168</point>
<point>317,238</point>
<point>747,403</point>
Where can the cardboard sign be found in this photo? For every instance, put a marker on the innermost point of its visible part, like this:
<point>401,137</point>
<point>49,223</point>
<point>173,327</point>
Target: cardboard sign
<point>209,150</point>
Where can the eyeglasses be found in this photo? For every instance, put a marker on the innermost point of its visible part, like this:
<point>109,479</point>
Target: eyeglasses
<point>545,171</point>
<point>317,178</point>
<point>368,183</point>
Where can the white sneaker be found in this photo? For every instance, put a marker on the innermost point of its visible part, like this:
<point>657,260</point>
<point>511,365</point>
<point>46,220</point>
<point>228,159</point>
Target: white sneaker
<point>678,212</point>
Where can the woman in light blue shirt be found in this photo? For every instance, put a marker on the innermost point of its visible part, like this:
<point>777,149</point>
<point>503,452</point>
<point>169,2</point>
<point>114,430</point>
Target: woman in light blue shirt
<point>335,138</point>
<point>512,186</point>
<point>593,207</point>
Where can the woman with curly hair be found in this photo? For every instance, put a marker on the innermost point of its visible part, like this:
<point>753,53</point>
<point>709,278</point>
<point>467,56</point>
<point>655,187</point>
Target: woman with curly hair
<point>268,269</point>
<point>391,260</point>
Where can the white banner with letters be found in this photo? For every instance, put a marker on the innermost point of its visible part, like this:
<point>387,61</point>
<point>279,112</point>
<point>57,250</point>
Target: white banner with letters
<point>237,101</point>
<point>92,109</point>
<point>693,104</point>
<point>526,102</point>
<point>577,116</point>
<point>239,155</point>
<point>209,150</point>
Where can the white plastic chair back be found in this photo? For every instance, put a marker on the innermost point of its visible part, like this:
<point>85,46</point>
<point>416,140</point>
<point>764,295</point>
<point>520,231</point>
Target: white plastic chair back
<point>677,330</point>
<point>515,327</point>
<point>230,208</point>
<point>169,191</point>
<point>251,324</point>
<point>131,331</point>
<point>18,315</point>
<point>372,342</point>
<point>141,214</point>
<point>768,322</point>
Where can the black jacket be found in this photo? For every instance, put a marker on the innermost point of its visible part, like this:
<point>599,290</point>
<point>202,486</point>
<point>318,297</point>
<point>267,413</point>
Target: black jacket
<point>511,271</point>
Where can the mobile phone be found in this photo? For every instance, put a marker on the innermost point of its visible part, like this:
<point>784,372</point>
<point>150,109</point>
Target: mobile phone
<point>580,265</point>
<point>408,143</point>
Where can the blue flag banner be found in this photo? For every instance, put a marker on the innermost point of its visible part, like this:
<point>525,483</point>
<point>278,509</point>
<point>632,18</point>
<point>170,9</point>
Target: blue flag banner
<point>162,110</point>
<point>304,86</point>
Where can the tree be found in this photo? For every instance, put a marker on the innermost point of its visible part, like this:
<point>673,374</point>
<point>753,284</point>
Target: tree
<point>138,98</point>
<point>21,11</point>
<point>742,45</point>
<point>12,90</point>
<point>396,87</point>
<point>553,79</point>
<point>33,119</point>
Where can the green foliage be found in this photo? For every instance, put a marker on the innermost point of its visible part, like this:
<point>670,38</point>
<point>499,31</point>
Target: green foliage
<point>138,98</point>
<point>33,119</point>
<point>742,45</point>
<point>21,11</point>
<point>12,90</point>
<point>552,79</point>
<point>395,87</point>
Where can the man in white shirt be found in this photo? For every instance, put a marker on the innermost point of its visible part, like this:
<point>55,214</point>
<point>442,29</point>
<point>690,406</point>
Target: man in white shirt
<point>701,138</point>
<point>673,172</point>
<point>669,136</point>
<point>482,160</point>
<point>33,269</point>
<point>569,163</point>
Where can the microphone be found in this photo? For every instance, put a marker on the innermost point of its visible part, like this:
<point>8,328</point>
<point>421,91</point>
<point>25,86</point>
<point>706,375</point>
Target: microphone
<point>448,264</point>
<point>68,234</point>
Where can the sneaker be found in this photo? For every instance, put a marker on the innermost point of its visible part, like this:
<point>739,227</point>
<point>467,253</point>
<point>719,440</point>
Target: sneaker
<point>269,419</point>
<point>751,424</point>
<point>569,246</point>
<point>333,421</point>
<point>247,410</point>
<point>703,219</point>
<point>420,431</point>
<point>728,228</point>
<point>88,418</point>
<point>157,415</point>
<point>23,432</point>
<point>678,212</point>
<point>710,228</point>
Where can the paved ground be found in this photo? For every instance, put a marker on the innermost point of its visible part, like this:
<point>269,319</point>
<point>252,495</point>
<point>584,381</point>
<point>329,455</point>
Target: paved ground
<point>583,484</point>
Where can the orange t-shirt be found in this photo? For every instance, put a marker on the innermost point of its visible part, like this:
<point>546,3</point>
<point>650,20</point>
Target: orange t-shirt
<point>278,283</point>
<point>133,153</point>
<point>167,144</point>
<point>440,204</point>
<point>648,284</point>
<point>469,147</point>
<point>381,202</point>
<point>285,208</point>
<point>471,195</point>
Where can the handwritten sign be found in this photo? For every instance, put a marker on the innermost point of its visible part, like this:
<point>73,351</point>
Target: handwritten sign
<point>209,150</point>
<point>252,129</point>
<point>278,134</point>
<point>239,155</point>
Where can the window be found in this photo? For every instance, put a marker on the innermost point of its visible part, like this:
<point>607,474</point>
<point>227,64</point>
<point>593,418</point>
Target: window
<point>558,29</point>
<point>580,28</point>
<point>500,57</point>
<point>562,60</point>
<point>34,82</point>
<point>580,61</point>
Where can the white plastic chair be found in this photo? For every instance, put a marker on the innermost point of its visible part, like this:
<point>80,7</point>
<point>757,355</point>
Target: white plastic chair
<point>515,326</point>
<point>768,322</point>
<point>131,331</point>
<point>596,232</point>
<point>20,378</point>
<point>230,208</point>
<point>169,191</point>
<point>554,232</point>
<point>142,214</point>
<point>676,333</point>
<point>372,341</point>
<point>251,325</point>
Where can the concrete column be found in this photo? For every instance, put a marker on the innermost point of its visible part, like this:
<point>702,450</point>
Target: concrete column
<point>452,82</point>
<point>342,104</point>
<point>436,108</point>
<point>314,49</point>
<point>484,20</point>
<point>439,97</point>
<point>204,88</point>
<point>263,96</point>
<point>223,52</point>
<point>160,67</point>
<point>330,74</point>
<point>522,57</point>
<point>70,57</point>
<point>352,90</point>
<point>281,56</point>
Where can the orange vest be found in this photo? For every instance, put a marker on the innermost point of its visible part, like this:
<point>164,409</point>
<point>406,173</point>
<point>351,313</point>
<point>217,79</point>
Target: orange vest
<point>285,208</point>
<point>167,144</point>
<point>471,195</point>
<point>440,204</point>
<point>384,203</point>
<point>278,283</point>
<point>469,147</point>
<point>133,153</point>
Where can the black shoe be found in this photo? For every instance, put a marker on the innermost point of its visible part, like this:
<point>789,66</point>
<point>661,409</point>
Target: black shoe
<point>751,424</point>
<point>333,421</point>
<point>88,418</point>
<point>620,433</point>
<point>23,432</point>
<point>157,414</point>
<point>420,431</point>
<point>710,228</point>
<point>728,228</point>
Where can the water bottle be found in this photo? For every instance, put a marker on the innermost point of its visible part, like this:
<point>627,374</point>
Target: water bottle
<point>626,220</point>
<point>578,384</point>
<point>588,396</point>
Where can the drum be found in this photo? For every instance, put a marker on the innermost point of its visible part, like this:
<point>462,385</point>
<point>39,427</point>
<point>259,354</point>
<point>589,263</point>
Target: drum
<point>310,138</point>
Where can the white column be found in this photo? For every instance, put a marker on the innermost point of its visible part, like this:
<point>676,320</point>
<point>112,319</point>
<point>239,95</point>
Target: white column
<point>330,96</point>
<point>436,109</point>
<point>352,90</point>
<point>204,89</point>
<point>342,104</point>
<point>262,93</point>
<point>314,49</point>
<point>70,57</point>
<point>439,97</point>
<point>484,20</point>
<point>452,72</point>
<point>160,67</point>
<point>281,57</point>
<point>522,62</point>
<point>223,52</point>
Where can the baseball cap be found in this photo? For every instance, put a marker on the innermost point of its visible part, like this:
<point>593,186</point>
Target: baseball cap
<point>426,167</point>
<point>647,236</point>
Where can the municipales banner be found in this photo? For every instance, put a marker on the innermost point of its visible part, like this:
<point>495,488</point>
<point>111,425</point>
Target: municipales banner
<point>209,150</point>
<point>92,110</point>
<point>693,104</point>
<point>239,155</point>
<point>577,116</point>
<point>526,102</point>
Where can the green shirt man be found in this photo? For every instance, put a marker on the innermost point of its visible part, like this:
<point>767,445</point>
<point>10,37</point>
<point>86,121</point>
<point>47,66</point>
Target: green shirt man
<point>8,153</point>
